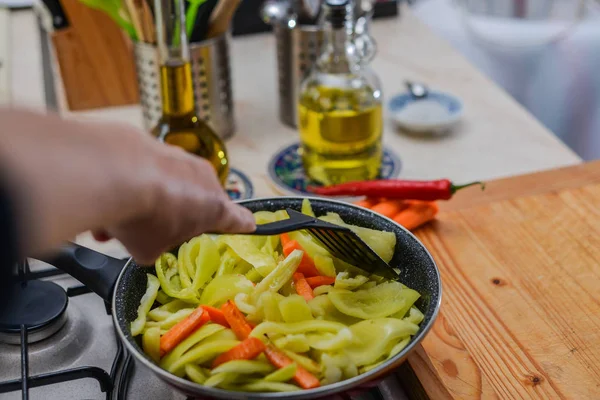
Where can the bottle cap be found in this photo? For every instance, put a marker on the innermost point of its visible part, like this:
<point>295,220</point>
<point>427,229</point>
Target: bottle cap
<point>337,12</point>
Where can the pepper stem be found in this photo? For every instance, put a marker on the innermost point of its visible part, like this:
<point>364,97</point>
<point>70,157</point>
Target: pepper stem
<point>455,188</point>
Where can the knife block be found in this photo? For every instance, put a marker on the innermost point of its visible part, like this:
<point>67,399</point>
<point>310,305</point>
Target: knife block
<point>95,60</point>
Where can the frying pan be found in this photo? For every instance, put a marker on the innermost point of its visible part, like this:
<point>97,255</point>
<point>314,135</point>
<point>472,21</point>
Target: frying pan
<point>123,283</point>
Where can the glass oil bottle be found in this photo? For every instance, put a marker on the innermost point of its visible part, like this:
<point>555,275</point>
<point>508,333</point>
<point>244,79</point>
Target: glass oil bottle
<point>340,107</point>
<point>179,124</point>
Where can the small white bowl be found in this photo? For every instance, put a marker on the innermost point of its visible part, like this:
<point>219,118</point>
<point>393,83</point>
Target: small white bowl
<point>436,113</point>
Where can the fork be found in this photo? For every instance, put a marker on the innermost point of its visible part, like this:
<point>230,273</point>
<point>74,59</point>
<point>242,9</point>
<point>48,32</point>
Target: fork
<point>340,241</point>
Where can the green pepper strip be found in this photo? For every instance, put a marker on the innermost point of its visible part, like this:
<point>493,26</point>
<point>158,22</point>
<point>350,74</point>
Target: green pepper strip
<point>296,327</point>
<point>146,303</point>
<point>201,334</point>
<point>171,262</point>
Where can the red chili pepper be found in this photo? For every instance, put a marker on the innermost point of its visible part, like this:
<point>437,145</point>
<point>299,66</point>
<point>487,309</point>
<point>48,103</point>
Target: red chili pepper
<point>441,189</point>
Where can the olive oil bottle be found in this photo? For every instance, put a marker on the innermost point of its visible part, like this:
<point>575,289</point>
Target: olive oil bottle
<point>179,124</point>
<point>339,110</point>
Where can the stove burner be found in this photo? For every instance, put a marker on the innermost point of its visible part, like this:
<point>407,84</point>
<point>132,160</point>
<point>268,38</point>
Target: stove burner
<point>39,305</point>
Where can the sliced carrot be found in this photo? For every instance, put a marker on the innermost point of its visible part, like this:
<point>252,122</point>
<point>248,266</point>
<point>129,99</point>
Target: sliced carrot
<point>316,281</point>
<point>236,320</point>
<point>302,287</point>
<point>183,329</point>
<point>305,379</point>
<point>247,350</point>
<point>416,214</point>
<point>367,202</point>
<point>216,316</point>
<point>306,266</point>
<point>390,208</point>
<point>285,239</point>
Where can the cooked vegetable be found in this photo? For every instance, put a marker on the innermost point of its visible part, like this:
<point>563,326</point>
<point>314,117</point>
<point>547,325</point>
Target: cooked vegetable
<point>296,327</point>
<point>246,248</point>
<point>263,386</point>
<point>324,265</point>
<point>302,377</point>
<point>374,337</point>
<point>383,243</point>
<point>283,374</point>
<point>296,343</point>
<point>416,214</point>
<point>415,316</point>
<point>247,350</point>
<point>195,373</point>
<point>343,281</point>
<point>203,353</point>
<point>330,341</point>
<point>250,313</point>
<point>195,338</point>
<point>223,288</point>
<point>216,315</point>
<point>183,329</point>
<point>294,309</point>
<point>219,379</point>
<point>152,285</point>
<point>307,208</point>
<point>279,276</point>
<point>236,320</point>
<point>270,306</point>
<point>244,367</point>
<point>306,266</point>
<point>316,281</point>
<point>381,301</point>
<point>389,208</point>
<point>302,287</point>
<point>151,343</point>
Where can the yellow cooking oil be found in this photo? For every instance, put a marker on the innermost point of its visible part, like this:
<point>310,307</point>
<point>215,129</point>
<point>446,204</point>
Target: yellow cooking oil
<point>341,131</point>
<point>179,124</point>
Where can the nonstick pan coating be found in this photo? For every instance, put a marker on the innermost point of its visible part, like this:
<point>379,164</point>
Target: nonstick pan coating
<point>418,271</point>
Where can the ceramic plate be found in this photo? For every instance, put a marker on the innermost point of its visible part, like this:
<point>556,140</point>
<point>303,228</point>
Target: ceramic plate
<point>288,177</point>
<point>238,186</point>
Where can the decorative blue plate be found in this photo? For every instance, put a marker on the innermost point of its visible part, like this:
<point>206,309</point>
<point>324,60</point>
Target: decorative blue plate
<point>287,173</point>
<point>238,185</point>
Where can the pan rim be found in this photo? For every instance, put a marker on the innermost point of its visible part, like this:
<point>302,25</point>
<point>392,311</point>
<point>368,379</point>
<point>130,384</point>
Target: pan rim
<point>346,384</point>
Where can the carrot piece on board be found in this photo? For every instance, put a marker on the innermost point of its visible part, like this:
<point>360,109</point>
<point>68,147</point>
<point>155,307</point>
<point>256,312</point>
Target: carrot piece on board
<point>216,316</point>
<point>183,329</point>
<point>367,202</point>
<point>302,287</point>
<point>305,379</point>
<point>389,208</point>
<point>236,320</point>
<point>306,266</point>
<point>285,239</point>
<point>247,350</point>
<point>316,281</point>
<point>416,214</point>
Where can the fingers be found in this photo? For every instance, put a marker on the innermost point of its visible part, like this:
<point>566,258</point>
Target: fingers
<point>187,200</point>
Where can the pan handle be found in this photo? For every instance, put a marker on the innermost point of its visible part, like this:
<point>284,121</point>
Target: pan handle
<point>97,271</point>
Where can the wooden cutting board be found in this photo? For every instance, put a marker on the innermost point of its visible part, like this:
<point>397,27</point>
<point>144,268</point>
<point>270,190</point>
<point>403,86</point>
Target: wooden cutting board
<point>520,266</point>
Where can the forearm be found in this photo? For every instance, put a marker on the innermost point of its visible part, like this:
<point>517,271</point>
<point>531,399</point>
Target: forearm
<point>55,182</point>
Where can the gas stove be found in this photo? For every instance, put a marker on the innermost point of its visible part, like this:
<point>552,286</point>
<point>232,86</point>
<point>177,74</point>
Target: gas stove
<point>61,337</point>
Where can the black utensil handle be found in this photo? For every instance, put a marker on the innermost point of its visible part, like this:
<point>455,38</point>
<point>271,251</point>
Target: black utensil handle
<point>97,271</point>
<point>295,222</point>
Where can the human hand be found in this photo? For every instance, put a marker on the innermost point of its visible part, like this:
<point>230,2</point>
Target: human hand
<point>68,177</point>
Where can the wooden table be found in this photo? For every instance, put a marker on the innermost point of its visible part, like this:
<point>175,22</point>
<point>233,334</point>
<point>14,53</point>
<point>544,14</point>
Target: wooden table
<point>497,139</point>
<point>519,266</point>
